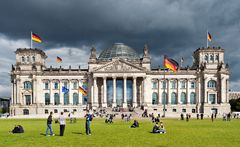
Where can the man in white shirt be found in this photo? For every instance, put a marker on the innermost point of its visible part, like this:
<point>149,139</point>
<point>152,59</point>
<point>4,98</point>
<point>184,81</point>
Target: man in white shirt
<point>62,123</point>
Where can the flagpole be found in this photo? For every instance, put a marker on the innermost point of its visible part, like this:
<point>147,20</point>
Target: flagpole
<point>207,38</point>
<point>164,87</point>
<point>31,40</point>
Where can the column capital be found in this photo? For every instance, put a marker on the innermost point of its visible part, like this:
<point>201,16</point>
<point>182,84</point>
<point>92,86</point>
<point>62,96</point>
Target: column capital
<point>124,77</point>
<point>134,77</point>
<point>104,78</point>
<point>114,77</point>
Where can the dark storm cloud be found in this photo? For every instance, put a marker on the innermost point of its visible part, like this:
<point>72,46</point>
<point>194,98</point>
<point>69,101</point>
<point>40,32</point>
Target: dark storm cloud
<point>175,28</point>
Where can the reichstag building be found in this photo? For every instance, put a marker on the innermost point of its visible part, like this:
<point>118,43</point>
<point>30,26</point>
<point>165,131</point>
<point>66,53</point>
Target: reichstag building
<point>119,77</point>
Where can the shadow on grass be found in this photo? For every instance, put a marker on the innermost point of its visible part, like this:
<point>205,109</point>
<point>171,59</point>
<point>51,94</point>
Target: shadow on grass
<point>43,134</point>
<point>78,133</point>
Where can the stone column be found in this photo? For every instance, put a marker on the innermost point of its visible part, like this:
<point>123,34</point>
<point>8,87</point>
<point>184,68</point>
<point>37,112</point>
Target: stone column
<point>114,92</point>
<point>187,91</point>
<point>168,92</point>
<point>124,92</point>
<point>70,87</point>
<point>19,95</point>
<point>12,94</point>
<point>104,92</point>
<point>178,92</point>
<point>159,91</point>
<point>144,90</point>
<point>223,90</point>
<point>134,91</point>
<point>80,95</point>
<point>95,90</point>
<point>205,93</point>
<point>51,93</point>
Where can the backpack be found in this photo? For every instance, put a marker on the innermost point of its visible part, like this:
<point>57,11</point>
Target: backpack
<point>18,129</point>
<point>91,117</point>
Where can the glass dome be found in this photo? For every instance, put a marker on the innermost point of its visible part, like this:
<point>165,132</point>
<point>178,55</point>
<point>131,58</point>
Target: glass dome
<point>118,50</point>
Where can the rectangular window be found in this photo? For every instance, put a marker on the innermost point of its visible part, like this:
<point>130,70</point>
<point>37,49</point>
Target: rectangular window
<point>174,110</point>
<point>55,85</point>
<point>75,85</point>
<point>173,84</point>
<point>192,85</point>
<point>154,85</point>
<point>183,110</point>
<point>164,84</point>
<point>46,86</point>
<point>28,99</point>
<point>65,84</point>
<point>183,84</point>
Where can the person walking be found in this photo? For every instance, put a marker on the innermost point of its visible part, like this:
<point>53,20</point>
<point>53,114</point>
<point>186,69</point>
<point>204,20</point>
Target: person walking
<point>49,125</point>
<point>62,123</point>
<point>88,120</point>
<point>212,117</point>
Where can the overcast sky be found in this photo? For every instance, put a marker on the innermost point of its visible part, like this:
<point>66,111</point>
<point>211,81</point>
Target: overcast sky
<point>69,28</point>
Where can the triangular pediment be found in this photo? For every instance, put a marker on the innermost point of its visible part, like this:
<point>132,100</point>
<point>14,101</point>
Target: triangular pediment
<point>119,65</point>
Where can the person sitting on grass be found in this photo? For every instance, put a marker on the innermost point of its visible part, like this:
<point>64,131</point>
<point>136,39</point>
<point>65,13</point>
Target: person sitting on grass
<point>159,129</point>
<point>135,124</point>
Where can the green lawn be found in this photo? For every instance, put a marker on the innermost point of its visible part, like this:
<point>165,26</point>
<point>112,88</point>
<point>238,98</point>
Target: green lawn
<point>179,133</point>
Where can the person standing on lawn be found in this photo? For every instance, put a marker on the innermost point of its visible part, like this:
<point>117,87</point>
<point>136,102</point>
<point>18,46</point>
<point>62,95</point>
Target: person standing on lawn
<point>62,123</point>
<point>88,120</point>
<point>49,125</point>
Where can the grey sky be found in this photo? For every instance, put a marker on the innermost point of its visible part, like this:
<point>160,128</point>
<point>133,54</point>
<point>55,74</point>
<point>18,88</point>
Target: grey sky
<point>69,29</point>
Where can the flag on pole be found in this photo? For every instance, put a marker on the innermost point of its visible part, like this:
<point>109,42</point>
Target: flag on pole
<point>59,60</point>
<point>65,90</point>
<point>209,37</point>
<point>82,90</point>
<point>36,38</point>
<point>170,64</point>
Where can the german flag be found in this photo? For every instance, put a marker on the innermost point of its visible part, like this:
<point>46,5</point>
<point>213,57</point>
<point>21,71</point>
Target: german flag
<point>36,38</point>
<point>82,90</point>
<point>59,60</point>
<point>170,64</point>
<point>209,37</point>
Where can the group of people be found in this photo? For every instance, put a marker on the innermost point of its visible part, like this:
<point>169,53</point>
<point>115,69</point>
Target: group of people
<point>126,117</point>
<point>62,122</point>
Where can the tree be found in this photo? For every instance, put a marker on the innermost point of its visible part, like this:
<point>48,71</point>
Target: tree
<point>235,104</point>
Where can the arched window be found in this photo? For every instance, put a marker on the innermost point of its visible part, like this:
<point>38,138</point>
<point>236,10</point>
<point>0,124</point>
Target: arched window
<point>23,59</point>
<point>66,98</point>
<point>173,98</point>
<point>27,85</point>
<point>75,98</point>
<point>33,59</point>
<point>56,99</point>
<point>192,98</point>
<point>164,98</point>
<point>47,98</point>
<point>25,112</point>
<point>211,84</point>
<point>154,85</point>
<point>183,98</point>
<point>154,98</point>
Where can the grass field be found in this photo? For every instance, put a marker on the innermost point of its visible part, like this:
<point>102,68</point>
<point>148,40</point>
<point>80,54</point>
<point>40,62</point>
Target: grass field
<point>179,133</point>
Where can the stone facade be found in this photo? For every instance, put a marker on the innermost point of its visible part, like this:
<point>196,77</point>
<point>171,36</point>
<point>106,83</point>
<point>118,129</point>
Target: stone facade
<point>201,88</point>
